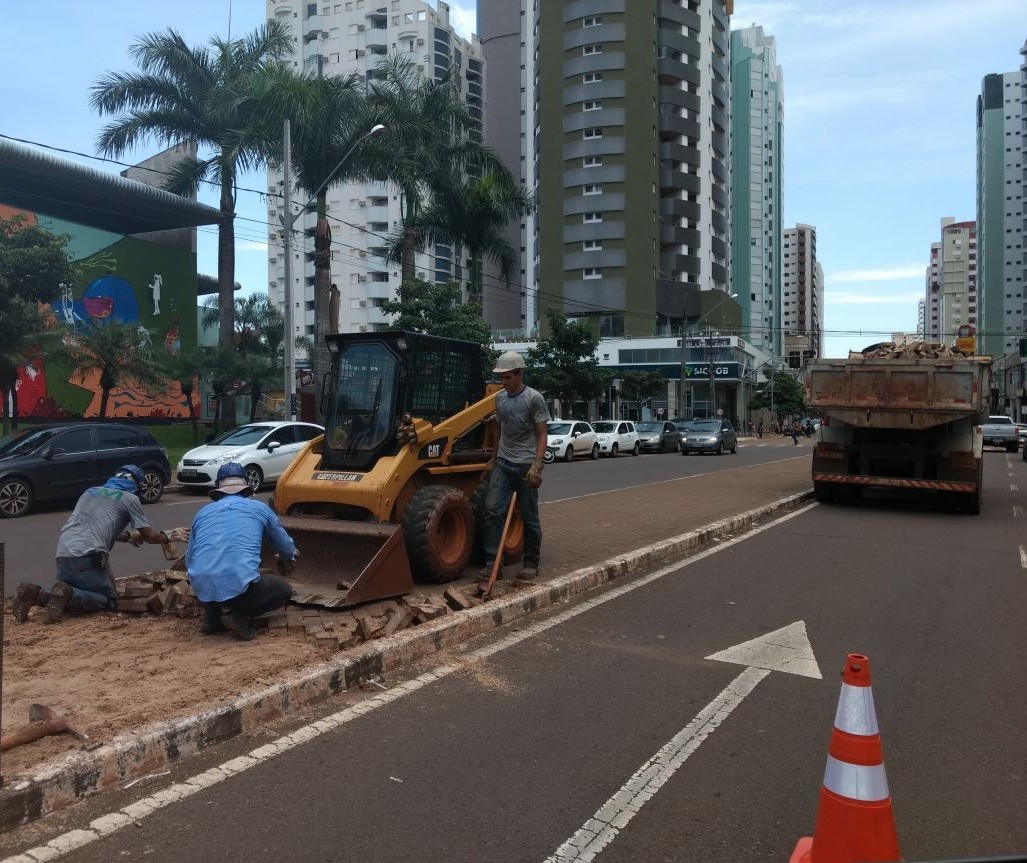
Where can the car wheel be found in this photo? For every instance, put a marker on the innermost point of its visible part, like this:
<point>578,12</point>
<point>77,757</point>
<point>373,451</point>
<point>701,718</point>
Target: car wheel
<point>569,454</point>
<point>152,488</point>
<point>684,452</point>
<point>595,451</point>
<point>254,476</point>
<point>734,448</point>
<point>15,497</point>
<point>613,451</point>
<point>636,449</point>
<point>720,448</point>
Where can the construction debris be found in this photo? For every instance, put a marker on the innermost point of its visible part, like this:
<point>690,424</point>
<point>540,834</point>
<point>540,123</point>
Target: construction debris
<point>909,351</point>
<point>164,591</point>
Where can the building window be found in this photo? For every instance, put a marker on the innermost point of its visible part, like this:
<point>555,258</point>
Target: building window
<point>592,49</point>
<point>591,273</point>
<point>592,21</point>
<point>592,77</point>
<point>591,218</point>
<point>592,246</point>
<point>593,105</point>
<point>592,189</point>
<point>593,161</point>
<point>593,132</point>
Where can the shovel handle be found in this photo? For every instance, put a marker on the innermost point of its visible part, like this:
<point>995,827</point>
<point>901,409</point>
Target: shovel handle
<point>499,551</point>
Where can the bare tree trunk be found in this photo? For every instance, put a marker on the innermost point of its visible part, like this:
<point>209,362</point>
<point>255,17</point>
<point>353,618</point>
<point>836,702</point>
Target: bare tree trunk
<point>105,394</point>
<point>409,252</point>
<point>226,265</point>
<point>322,295</point>
<point>187,391</point>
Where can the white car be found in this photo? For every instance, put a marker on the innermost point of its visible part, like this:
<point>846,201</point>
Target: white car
<point>616,436</point>
<point>264,449</point>
<point>568,438</point>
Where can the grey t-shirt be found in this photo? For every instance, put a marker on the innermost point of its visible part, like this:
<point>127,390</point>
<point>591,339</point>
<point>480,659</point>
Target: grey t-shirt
<point>517,418</point>
<point>99,516</point>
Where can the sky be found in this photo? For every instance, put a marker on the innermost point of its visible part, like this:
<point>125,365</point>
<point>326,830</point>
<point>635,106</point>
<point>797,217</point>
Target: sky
<point>879,123</point>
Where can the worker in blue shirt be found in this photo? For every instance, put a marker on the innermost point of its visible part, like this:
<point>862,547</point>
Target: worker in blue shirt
<point>223,557</point>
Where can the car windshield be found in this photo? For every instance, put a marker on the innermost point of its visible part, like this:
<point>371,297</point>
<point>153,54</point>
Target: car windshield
<point>648,427</point>
<point>242,436</point>
<point>706,426</point>
<point>559,428</point>
<point>605,428</point>
<point>25,442</point>
<point>684,426</point>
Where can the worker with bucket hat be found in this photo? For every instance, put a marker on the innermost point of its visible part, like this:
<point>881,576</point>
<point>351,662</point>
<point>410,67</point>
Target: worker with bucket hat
<point>103,515</point>
<point>223,557</point>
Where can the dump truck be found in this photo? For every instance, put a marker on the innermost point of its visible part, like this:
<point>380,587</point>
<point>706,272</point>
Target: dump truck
<point>394,490</point>
<point>900,418</point>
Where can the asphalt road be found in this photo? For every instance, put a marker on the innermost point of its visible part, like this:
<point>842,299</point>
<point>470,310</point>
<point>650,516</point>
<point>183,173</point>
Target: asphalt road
<point>30,541</point>
<point>519,742</point>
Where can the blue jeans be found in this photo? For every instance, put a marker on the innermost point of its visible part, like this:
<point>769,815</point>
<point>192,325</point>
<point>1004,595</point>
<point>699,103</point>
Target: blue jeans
<point>507,478</point>
<point>92,586</point>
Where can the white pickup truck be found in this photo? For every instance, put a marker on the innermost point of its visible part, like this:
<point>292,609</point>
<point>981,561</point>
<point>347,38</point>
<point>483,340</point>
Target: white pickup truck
<point>1000,431</point>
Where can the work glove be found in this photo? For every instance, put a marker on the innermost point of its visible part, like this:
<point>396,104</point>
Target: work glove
<point>533,479</point>
<point>177,534</point>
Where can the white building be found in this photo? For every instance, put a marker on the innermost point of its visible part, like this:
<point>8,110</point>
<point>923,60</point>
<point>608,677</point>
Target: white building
<point>339,38</point>
<point>802,296</point>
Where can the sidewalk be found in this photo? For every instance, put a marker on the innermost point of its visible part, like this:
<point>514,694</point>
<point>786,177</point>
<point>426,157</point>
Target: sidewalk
<point>113,673</point>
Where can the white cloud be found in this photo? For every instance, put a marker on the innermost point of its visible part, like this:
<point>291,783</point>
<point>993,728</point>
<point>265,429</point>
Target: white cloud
<point>463,17</point>
<point>251,246</point>
<point>886,274</point>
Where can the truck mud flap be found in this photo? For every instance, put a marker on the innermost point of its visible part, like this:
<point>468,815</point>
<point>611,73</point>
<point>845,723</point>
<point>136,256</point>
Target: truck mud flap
<point>344,563</point>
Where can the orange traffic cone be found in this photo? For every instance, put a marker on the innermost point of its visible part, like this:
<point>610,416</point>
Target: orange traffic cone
<point>855,823</point>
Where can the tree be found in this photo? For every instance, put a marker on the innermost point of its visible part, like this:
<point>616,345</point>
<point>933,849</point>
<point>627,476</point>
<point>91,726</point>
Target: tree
<point>216,97</point>
<point>564,365</point>
<point>781,394</point>
<point>34,263</point>
<point>425,307</point>
<point>184,368</point>
<point>219,367</point>
<point>475,214</point>
<point>115,351</point>
<point>639,386</point>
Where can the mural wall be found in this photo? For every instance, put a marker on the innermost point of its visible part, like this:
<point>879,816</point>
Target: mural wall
<point>123,279</point>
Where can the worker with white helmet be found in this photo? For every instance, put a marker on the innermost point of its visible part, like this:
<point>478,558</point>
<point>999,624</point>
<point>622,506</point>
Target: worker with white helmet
<point>517,464</point>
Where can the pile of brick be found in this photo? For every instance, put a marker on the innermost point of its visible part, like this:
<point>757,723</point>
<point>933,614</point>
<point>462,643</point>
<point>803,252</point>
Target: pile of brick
<point>909,351</point>
<point>165,591</point>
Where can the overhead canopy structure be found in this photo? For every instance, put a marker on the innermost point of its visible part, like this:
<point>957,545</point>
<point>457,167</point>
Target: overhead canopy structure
<point>35,180</point>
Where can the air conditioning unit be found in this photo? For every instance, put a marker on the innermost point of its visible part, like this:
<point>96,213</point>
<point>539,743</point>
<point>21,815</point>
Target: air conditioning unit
<point>420,41</point>
<point>363,328</point>
<point>361,28</point>
<point>361,278</point>
<point>362,203</point>
<point>363,304</point>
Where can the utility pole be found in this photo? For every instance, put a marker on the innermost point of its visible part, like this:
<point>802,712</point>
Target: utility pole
<point>713,378</point>
<point>287,223</point>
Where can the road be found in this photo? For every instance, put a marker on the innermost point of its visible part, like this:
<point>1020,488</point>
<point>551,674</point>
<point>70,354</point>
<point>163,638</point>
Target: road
<point>31,540</point>
<point>504,750</point>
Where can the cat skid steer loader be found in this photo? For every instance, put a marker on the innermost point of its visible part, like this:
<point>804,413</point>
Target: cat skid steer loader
<point>393,490</point>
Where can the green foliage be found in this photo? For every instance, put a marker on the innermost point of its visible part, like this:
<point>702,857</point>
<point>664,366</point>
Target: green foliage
<point>118,353</point>
<point>639,386</point>
<point>782,394</point>
<point>425,307</point>
<point>564,365</point>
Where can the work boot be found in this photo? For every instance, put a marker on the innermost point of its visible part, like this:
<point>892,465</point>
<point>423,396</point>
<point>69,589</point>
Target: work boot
<point>239,623</point>
<point>529,572</point>
<point>212,623</point>
<point>28,595</point>
<point>60,594</point>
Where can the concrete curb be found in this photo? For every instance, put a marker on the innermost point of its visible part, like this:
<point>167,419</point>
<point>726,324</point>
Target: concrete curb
<point>132,755</point>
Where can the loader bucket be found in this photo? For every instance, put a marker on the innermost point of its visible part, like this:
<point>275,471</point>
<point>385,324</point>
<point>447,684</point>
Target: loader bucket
<point>345,563</point>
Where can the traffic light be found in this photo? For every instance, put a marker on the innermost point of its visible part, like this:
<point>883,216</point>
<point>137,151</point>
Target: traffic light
<point>295,409</point>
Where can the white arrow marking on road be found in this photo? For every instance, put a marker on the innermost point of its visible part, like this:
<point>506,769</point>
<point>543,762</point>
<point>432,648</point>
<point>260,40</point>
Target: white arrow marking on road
<point>787,649</point>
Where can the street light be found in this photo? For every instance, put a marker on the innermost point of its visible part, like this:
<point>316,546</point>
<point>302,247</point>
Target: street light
<point>684,335</point>
<point>288,221</point>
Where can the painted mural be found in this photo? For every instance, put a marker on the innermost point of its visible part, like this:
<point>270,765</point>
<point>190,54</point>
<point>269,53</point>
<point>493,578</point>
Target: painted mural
<point>123,279</point>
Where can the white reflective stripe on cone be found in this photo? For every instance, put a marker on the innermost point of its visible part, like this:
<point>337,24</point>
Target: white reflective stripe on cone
<point>856,714</point>
<point>856,781</point>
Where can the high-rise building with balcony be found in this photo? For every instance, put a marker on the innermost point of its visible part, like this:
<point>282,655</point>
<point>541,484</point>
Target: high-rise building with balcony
<point>338,38</point>
<point>1001,165</point>
<point>757,134</point>
<point>802,296</point>
<point>632,129</point>
<point>951,301</point>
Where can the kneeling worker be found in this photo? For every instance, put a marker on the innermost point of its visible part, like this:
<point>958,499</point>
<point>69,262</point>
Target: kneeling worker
<point>104,515</point>
<point>223,557</point>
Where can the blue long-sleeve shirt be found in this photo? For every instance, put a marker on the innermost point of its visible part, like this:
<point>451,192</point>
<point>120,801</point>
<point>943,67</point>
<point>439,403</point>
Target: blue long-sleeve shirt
<point>223,556</point>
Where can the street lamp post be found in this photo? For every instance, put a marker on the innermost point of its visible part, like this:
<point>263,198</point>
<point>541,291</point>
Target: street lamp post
<point>288,222</point>
<point>684,338</point>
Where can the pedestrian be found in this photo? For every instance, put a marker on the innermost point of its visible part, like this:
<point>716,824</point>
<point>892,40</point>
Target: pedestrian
<point>795,432</point>
<point>759,428</point>
<point>517,463</point>
<point>223,557</point>
<point>808,428</point>
<point>103,515</point>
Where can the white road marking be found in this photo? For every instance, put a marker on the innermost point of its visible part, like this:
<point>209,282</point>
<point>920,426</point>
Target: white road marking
<point>1013,487</point>
<point>1017,512</point>
<point>109,824</point>
<point>1023,556</point>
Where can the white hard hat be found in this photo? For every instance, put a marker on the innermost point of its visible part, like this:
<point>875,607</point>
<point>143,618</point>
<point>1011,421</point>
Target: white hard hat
<point>509,361</point>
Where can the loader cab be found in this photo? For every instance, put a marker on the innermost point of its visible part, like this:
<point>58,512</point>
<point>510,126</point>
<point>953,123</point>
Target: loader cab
<point>376,378</point>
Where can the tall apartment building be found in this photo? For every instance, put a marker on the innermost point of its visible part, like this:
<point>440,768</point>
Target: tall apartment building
<point>802,296</point>
<point>632,128</point>
<point>1001,213</point>
<point>338,38</point>
<point>952,282</point>
<point>757,119</point>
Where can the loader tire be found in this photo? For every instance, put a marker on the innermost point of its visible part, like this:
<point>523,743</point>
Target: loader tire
<point>513,550</point>
<point>439,527</point>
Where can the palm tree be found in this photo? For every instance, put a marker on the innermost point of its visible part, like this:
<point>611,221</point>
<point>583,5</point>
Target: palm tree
<point>220,366</point>
<point>213,96</point>
<point>475,215</point>
<point>117,353</point>
<point>428,141</point>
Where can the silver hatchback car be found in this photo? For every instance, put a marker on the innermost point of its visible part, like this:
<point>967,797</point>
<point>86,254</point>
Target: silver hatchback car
<point>709,436</point>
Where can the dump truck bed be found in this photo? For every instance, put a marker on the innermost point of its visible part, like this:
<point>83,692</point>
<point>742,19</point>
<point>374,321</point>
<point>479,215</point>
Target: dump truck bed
<point>899,393</point>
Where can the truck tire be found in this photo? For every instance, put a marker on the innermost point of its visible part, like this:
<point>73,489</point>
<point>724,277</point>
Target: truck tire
<point>824,492</point>
<point>513,551</point>
<point>970,502</point>
<point>439,527</point>
<point>1012,447</point>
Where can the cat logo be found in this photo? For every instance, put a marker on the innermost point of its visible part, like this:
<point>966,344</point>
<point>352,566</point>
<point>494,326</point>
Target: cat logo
<point>433,450</point>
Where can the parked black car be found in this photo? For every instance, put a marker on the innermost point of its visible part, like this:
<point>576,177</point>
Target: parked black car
<point>57,463</point>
